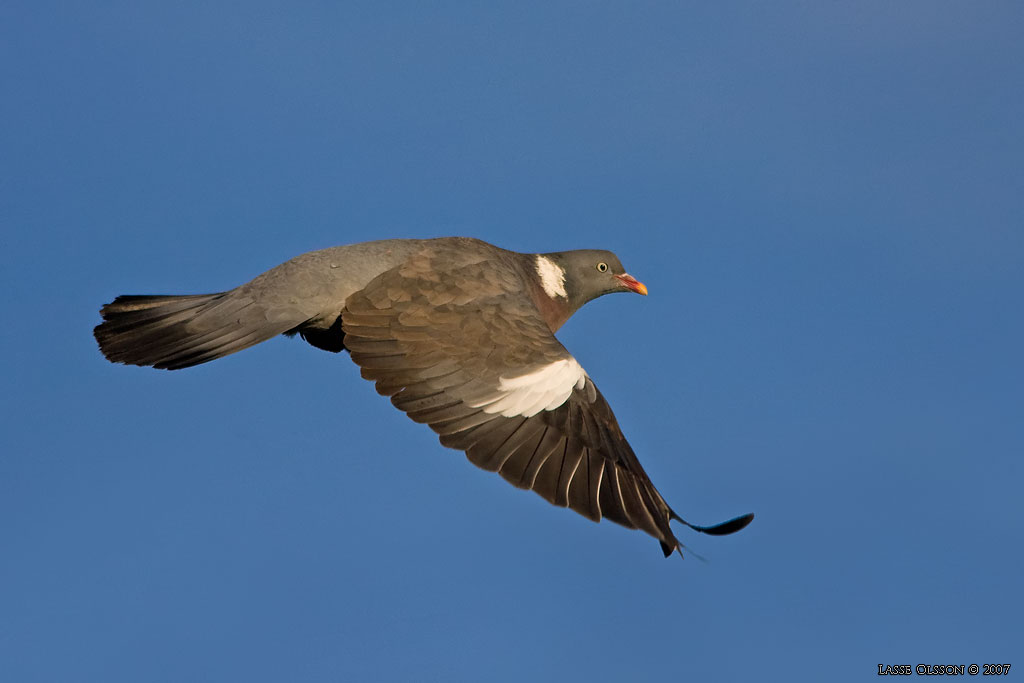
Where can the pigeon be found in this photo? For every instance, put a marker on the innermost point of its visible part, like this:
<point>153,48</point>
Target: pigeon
<point>460,334</point>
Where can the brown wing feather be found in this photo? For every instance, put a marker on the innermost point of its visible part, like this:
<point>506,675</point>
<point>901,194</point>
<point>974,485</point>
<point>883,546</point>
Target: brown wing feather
<point>440,331</point>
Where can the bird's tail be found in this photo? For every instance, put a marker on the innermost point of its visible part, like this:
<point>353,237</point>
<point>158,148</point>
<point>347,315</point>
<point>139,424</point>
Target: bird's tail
<point>173,332</point>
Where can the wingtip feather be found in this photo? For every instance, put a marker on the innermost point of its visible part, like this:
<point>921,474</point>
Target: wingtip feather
<point>725,528</point>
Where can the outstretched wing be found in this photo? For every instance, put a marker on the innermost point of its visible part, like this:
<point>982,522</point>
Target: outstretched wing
<point>458,346</point>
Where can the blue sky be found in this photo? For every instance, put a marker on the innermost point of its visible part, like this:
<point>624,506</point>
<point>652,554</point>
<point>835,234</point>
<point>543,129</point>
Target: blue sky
<point>826,202</point>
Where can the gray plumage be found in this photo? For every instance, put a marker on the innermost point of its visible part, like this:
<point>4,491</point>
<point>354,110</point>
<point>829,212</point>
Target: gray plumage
<point>304,295</point>
<point>460,334</point>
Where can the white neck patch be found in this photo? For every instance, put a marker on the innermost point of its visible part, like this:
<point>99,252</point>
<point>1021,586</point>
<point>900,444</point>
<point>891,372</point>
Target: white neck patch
<point>552,277</point>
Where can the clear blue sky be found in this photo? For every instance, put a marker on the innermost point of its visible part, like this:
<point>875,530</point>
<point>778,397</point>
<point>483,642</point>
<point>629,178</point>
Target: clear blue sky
<point>826,201</point>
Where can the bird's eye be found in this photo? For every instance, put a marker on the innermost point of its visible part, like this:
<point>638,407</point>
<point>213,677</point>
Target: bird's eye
<point>602,267</point>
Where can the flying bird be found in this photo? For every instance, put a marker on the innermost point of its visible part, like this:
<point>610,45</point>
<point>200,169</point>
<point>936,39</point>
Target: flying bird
<point>460,334</point>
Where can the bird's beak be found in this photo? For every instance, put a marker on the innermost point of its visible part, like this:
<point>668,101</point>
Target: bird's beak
<point>632,284</point>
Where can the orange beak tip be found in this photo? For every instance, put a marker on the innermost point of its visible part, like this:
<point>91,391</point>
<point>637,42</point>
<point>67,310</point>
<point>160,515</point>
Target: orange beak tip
<point>632,284</point>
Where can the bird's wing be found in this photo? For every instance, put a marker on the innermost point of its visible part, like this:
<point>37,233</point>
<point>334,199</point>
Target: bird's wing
<point>464,350</point>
